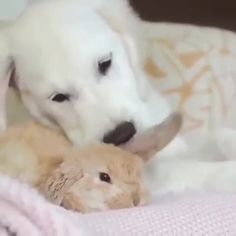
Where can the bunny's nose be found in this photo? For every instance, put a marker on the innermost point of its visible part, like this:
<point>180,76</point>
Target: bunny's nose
<point>121,134</point>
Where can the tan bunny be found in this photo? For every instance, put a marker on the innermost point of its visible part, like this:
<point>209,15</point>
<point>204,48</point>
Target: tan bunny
<point>96,178</point>
<point>93,178</point>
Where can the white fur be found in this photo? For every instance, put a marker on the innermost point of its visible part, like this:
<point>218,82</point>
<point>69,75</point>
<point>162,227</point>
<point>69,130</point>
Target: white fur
<point>63,59</point>
<point>208,167</point>
<point>55,45</point>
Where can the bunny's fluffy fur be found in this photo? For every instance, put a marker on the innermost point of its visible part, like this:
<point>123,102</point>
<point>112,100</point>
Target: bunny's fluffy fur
<point>126,188</point>
<point>69,176</point>
<point>25,152</point>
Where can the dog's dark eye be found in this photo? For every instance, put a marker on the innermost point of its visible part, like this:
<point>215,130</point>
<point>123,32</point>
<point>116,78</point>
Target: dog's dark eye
<point>104,177</point>
<point>60,97</point>
<point>105,64</point>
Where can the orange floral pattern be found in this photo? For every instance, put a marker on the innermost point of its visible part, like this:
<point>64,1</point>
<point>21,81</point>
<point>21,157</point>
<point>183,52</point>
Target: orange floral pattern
<point>195,68</point>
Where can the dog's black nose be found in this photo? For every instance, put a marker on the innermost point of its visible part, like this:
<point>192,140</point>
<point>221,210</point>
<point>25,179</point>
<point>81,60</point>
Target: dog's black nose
<point>121,134</point>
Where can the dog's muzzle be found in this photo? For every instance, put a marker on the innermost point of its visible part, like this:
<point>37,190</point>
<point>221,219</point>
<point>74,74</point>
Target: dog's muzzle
<point>121,134</point>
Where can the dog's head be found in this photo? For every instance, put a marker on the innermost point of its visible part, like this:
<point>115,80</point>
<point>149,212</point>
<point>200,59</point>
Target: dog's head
<point>76,66</point>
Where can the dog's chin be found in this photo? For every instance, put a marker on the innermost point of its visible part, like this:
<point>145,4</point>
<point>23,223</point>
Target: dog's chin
<point>79,139</point>
<point>121,145</point>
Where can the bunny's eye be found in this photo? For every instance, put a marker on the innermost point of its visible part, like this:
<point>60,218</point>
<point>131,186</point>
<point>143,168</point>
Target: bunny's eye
<point>104,177</point>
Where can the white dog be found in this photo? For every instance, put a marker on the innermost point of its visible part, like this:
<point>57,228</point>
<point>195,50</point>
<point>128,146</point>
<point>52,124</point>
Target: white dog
<point>82,73</point>
<point>78,66</point>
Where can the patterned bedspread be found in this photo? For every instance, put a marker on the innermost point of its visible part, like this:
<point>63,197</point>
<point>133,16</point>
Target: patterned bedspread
<point>195,68</point>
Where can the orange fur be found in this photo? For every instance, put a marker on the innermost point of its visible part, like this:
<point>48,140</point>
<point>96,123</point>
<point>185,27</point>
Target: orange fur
<point>69,176</point>
<point>29,152</point>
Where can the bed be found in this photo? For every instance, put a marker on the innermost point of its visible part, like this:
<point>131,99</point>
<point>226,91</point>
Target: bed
<point>195,68</point>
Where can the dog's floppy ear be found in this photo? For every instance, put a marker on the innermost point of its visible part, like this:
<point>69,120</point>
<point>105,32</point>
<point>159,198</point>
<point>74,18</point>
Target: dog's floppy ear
<point>156,138</point>
<point>124,21</point>
<point>6,68</point>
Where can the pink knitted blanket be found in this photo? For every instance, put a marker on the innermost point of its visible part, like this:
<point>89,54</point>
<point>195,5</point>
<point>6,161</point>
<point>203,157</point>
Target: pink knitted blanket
<point>23,212</point>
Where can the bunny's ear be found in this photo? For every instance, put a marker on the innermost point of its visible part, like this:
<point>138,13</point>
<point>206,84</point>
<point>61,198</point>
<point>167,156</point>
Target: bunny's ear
<point>6,70</point>
<point>156,138</point>
<point>58,183</point>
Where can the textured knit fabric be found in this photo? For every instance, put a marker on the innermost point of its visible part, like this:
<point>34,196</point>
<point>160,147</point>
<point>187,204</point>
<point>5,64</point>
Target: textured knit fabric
<point>24,212</point>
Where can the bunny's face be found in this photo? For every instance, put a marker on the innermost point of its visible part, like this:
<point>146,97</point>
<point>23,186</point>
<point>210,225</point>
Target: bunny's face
<point>99,178</point>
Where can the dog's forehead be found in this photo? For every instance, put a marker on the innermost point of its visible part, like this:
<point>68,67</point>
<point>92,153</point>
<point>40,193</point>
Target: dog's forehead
<point>73,27</point>
<point>61,43</point>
